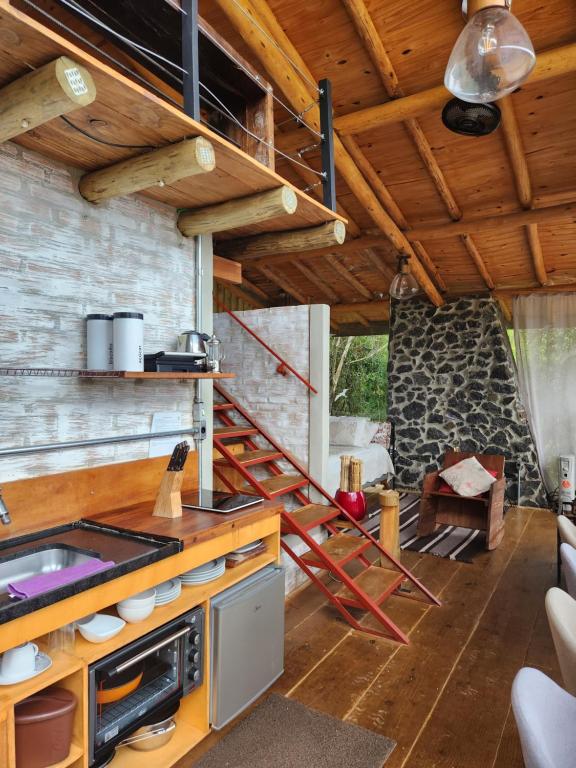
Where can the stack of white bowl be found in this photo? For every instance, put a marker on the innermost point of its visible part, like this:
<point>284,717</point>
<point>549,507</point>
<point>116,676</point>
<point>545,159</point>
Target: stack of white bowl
<point>138,607</point>
<point>204,573</point>
<point>168,591</point>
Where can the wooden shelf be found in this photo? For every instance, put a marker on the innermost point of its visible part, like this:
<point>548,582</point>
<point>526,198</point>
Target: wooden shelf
<point>80,373</point>
<point>127,113</point>
<point>169,375</point>
<point>63,665</point>
<point>190,597</point>
<point>186,737</point>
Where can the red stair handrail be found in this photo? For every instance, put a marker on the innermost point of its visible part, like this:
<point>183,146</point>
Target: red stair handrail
<point>283,362</point>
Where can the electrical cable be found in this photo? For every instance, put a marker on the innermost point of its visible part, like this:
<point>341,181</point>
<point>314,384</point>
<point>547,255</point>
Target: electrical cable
<point>103,141</point>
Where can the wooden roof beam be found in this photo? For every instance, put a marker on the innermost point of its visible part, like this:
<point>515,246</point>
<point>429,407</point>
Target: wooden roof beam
<point>537,254</point>
<point>549,64</point>
<point>424,257</point>
<point>558,214</point>
<point>504,307</point>
<point>348,276</point>
<point>474,254</point>
<point>237,291</point>
<point>361,306</point>
<point>313,278</point>
<point>379,264</point>
<point>329,235</point>
<point>227,270</point>
<point>300,96</point>
<point>283,282</point>
<point>253,288</point>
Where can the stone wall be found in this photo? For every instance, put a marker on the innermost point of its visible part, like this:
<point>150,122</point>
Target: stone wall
<point>452,384</point>
<point>61,258</point>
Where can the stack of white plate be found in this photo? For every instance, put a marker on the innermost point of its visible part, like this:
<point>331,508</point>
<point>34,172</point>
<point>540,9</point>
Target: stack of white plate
<point>248,547</point>
<point>168,591</point>
<point>204,573</point>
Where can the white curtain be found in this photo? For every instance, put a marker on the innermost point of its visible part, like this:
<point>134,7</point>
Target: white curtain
<point>545,340</point>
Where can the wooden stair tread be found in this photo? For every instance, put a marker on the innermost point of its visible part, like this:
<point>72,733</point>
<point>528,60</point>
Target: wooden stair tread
<point>376,582</point>
<point>312,515</point>
<point>278,483</point>
<point>339,548</point>
<point>235,431</point>
<point>251,457</point>
<point>223,407</point>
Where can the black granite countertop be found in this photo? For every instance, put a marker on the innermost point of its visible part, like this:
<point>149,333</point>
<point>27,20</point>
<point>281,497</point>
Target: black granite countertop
<point>129,550</point>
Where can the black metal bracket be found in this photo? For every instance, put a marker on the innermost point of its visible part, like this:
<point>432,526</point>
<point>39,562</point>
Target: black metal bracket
<point>190,60</point>
<point>327,143</point>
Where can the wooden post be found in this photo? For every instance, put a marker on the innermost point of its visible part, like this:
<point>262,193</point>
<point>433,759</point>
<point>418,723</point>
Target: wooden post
<point>38,97</point>
<point>238,213</point>
<point>330,234</point>
<point>156,168</point>
<point>389,524</point>
<point>169,501</point>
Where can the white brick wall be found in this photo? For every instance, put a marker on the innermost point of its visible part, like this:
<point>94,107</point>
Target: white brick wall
<point>61,258</point>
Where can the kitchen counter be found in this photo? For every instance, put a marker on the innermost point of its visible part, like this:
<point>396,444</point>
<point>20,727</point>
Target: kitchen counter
<point>204,536</point>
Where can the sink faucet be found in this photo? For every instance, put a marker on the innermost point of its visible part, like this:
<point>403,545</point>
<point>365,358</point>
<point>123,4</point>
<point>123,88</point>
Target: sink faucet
<point>5,518</point>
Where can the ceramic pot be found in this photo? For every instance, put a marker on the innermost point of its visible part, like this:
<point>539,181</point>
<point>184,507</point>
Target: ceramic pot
<point>354,502</point>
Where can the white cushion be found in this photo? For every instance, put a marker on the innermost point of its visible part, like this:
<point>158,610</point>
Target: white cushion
<point>468,477</point>
<point>352,430</point>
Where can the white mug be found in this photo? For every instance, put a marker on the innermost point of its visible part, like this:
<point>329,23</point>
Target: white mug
<point>19,661</point>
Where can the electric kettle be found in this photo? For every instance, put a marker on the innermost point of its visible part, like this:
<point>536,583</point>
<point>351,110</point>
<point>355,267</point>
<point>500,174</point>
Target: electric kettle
<point>193,342</point>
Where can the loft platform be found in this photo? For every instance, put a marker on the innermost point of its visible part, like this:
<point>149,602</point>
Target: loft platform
<point>127,114</point>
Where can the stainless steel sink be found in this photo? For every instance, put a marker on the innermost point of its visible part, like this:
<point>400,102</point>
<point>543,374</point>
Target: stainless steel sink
<point>24,565</point>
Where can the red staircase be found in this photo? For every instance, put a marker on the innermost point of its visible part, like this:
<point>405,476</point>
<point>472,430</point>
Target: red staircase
<point>368,586</point>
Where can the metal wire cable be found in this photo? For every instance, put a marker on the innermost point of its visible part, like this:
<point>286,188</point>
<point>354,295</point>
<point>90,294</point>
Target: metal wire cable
<point>87,15</point>
<point>278,46</point>
<point>234,119</point>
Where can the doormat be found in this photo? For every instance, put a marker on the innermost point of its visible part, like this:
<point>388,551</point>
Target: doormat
<point>450,541</point>
<point>283,733</point>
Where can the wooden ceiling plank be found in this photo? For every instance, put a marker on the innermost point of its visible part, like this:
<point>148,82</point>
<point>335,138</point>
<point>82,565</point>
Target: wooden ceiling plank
<point>283,282</point>
<point>549,64</point>
<point>237,291</point>
<point>361,319</point>
<point>474,253</point>
<point>253,288</point>
<point>312,277</point>
<point>379,264</point>
<point>537,254</point>
<point>348,276</point>
<point>300,97</point>
<point>362,306</point>
<point>558,214</point>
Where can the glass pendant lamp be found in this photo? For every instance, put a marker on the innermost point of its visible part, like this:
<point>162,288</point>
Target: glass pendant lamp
<point>403,285</point>
<point>492,56</point>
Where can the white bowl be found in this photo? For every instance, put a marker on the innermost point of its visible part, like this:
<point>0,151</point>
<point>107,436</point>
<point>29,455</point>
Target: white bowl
<point>134,614</point>
<point>100,627</point>
<point>140,598</point>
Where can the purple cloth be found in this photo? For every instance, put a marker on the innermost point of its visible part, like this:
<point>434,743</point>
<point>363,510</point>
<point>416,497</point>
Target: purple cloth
<point>36,585</point>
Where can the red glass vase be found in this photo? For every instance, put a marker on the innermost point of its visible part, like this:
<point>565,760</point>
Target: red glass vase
<point>354,502</point>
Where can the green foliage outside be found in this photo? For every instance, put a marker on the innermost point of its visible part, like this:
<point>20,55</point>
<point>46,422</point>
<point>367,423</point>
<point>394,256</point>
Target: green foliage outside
<point>359,376</point>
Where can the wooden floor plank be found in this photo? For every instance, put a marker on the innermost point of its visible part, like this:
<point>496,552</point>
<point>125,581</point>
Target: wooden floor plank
<point>399,701</point>
<point>479,687</point>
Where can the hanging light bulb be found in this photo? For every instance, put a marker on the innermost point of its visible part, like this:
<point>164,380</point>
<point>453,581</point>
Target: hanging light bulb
<point>403,285</point>
<point>492,56</point>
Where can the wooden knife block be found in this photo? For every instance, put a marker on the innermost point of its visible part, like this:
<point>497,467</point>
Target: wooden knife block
<point>169,501</point>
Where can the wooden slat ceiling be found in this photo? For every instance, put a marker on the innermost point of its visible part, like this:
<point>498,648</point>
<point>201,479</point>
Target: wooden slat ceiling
<point>478,173</point>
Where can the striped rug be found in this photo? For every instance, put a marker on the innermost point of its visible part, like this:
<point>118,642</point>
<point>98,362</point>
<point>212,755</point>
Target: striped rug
<point>450,541</point>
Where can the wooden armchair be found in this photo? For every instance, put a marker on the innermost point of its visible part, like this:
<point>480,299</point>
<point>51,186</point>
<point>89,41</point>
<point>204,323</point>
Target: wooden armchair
<point>484,512</point>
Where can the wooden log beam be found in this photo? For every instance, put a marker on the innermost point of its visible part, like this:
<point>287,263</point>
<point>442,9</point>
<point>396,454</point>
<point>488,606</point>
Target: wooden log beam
<point>36,98</point>
<point>549,64</point>
<point>283,282</point>
<point>537,254</point>
<point>361,319</point>
<point>516,153</point>
<point>227,270</point>
<point>504,307</point>
<point>253,288</point>
<point>356,245</point>
<point>558,214</point>
<point>479,263</point>
<point>313,278</point>
<point>348,276</point>
<point>425,258</point>
<point>362,306</point>
<point>329,235</point>
<point>156,168</point>
<point>272,204</point>
<point>300,95</point>
<point>379,264</point>
<point>431,164</point>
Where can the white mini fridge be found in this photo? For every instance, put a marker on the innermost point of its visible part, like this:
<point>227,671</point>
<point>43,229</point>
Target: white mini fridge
<point>247,643</point>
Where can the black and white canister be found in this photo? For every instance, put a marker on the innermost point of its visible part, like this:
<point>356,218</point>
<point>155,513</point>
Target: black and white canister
<point>128,334</point>
<point>99,344</point>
